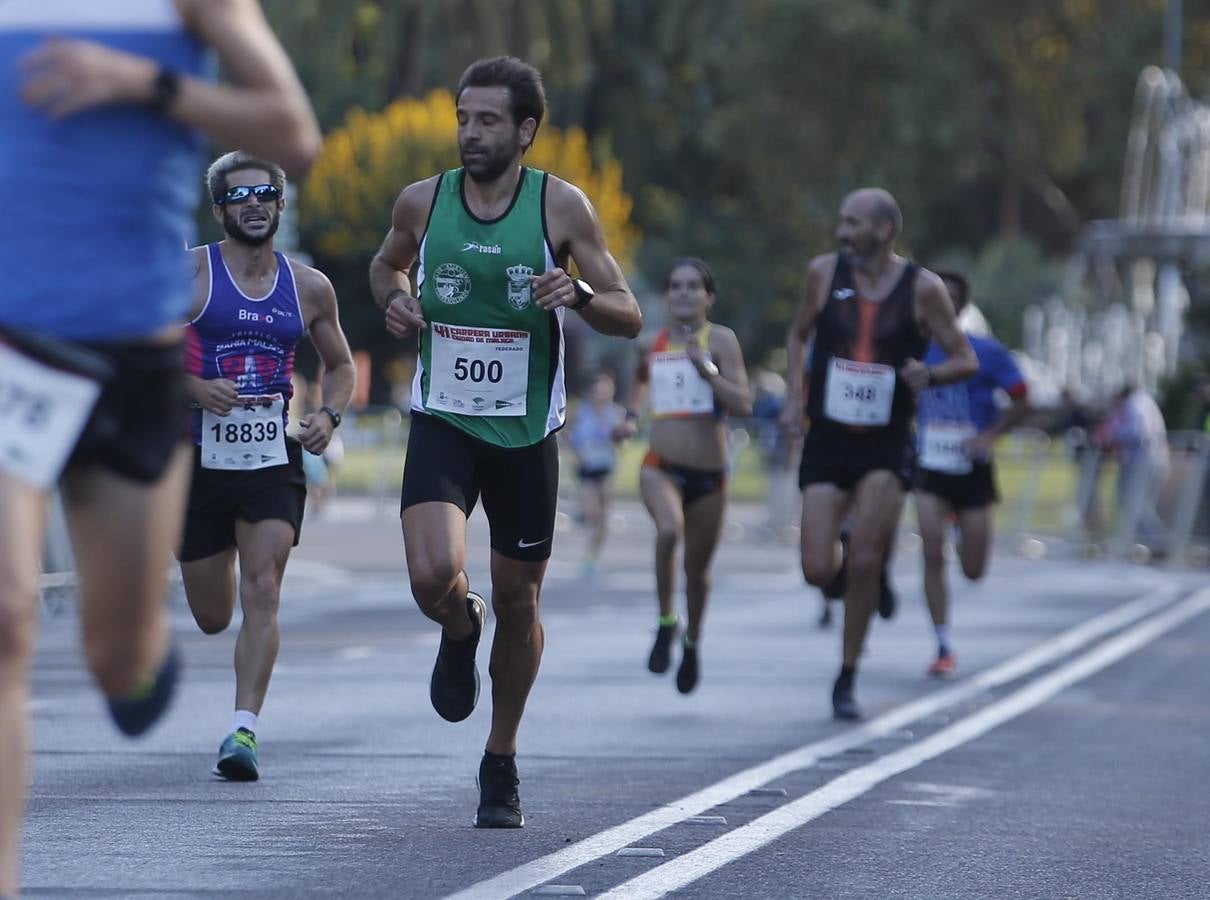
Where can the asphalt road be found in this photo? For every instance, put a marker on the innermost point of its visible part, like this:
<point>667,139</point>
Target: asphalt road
<point>1070,757</point>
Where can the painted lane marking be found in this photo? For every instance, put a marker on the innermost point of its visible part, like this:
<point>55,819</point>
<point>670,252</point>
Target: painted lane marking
<point>710,857</point>
<point>605,843</point>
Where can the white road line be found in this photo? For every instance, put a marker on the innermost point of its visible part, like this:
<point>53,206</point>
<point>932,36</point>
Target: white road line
<point>712,856</point>
<point>604,843</point>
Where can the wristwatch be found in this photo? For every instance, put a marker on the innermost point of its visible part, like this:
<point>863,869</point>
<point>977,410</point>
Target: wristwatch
<point>710,367</point>
<point>584,293</point>
<point>164,90</point>
<point>332,414</point>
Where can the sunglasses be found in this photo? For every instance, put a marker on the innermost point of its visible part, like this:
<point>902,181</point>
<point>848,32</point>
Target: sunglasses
<point>265,193</point>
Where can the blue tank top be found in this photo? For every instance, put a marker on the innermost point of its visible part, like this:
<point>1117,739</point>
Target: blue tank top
<point>247,340</point>
<point>101,203</point>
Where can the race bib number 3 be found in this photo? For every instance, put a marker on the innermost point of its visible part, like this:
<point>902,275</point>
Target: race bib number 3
<point>479,371</point>
<point>42,413</point>
<point>677,388</point>
<point>943,447</point>
<point>858,393</point>
<point>250,437</point>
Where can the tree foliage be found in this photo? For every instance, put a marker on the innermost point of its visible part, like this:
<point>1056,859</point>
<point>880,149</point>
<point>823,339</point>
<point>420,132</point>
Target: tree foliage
<point>740,124</point>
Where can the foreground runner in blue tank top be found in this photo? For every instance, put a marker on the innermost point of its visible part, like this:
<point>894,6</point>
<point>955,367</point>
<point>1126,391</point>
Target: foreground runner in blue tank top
<point>102,106</point>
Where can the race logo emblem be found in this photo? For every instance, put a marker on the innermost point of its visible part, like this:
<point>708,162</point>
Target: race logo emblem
<point>520,290</point>
<point>452,283</point>
<point>252,372</point>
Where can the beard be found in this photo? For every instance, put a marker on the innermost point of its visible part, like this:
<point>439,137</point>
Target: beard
<point>237,232</point>
<point>859,250</point>
<point>489,166</point>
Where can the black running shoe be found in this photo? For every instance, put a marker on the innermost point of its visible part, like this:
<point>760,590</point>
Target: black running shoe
<point>687,674</point>
<point>454,688</point>
<point>835,589</point>
<point>499,803</point>
<point>844,705</point>
<point>661,653</point>
<point>137,712</point>
<point>886,595</point>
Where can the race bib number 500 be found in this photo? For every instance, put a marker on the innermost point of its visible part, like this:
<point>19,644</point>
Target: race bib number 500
<point>251,436</point>
<point>479,371</point>
<point>858,393</point>
<point>42,413</point>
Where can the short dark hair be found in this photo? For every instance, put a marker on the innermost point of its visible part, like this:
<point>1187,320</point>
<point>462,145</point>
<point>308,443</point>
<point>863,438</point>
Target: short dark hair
<point>703,269</point>
<point>527,96</point>
<point>960,281</point>
<point>238,161</point>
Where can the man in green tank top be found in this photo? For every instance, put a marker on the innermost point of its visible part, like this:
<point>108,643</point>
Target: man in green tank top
<point>491,242</point>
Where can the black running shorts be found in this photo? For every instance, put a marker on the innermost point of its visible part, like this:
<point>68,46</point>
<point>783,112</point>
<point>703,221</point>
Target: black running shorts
<point>140,417</point>
<point>842,458</point>
<point>974,490</point>
<point>220,497</point>
<point>520,486</point>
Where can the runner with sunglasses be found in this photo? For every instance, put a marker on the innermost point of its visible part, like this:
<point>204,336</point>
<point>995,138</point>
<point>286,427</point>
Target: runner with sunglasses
<point>103,107</point>
<point>251,305</point>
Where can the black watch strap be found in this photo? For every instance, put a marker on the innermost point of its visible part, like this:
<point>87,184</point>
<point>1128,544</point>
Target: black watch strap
<point>332,414</point>
<point>164,90</point>
<point>584,294</point>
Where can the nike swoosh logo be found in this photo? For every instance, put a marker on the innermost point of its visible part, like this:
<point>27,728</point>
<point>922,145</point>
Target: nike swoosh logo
<point>525,545</point>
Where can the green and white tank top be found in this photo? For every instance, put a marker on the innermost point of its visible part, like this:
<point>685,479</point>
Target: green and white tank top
<point>491,362</point>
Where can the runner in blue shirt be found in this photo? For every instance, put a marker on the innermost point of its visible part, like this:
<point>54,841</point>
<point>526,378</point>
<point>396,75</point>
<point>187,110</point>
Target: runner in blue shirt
<point>957,424</point>
<point>103,107</point>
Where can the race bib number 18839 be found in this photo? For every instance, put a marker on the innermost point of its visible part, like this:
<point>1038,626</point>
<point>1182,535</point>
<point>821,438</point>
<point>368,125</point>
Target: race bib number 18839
<point>251,436</point>
<point>42,413</point>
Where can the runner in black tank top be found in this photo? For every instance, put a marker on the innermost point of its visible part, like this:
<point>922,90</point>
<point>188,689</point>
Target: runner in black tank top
<point>871,313</point>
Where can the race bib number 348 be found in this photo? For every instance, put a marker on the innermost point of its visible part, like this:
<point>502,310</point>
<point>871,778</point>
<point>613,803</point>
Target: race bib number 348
<point>858,393</point>
<point>479,371</point>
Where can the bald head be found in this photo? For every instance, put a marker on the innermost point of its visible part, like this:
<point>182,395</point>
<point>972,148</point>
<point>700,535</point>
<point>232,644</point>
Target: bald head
<point>877,205</point>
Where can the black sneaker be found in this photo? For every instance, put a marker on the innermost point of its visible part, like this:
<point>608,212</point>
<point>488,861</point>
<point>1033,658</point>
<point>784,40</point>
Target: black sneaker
<point>835,589</point>
<point>499,803</point>
<point>886,595</point>
<point>687,674</point>
<point>138,711</point>
<point>454,687</point>
<point>661,653</point>
<point>844,705</point>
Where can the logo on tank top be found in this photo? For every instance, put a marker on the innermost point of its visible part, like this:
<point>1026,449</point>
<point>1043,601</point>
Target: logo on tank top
<point>843,293</point>
<point>250,371</point>
<point>452,283</point>
<point>520,289</point>
<point>481,248</point>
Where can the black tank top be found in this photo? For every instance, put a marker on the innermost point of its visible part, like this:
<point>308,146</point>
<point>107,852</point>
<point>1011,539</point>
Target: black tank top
<point>851,327</point>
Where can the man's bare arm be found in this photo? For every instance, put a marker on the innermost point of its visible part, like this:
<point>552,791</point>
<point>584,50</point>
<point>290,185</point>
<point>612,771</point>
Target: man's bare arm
<point>389,281</point>
<point>936,309</point>
<point>264,111</point>
<point>801,329</point>
<point>613,309</point>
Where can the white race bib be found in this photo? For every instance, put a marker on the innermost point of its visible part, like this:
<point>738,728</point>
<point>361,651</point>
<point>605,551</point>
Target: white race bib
<point>858,393</point>
<point>42,413</point>
<point>479,371</point>
<point>249,437</point>
<point>942,447</point>
<point>677,388</point>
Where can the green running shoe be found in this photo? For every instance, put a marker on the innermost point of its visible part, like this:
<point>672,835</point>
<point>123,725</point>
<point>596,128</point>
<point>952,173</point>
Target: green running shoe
<point>237,757</point>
